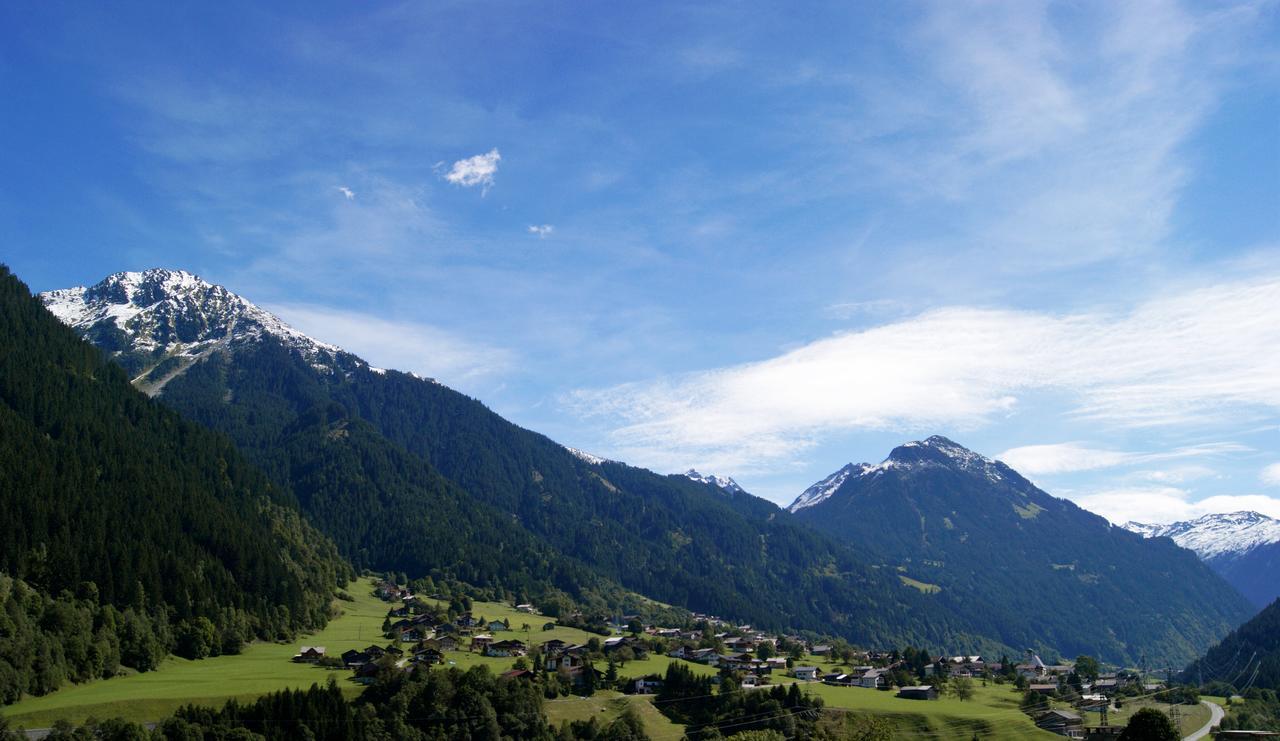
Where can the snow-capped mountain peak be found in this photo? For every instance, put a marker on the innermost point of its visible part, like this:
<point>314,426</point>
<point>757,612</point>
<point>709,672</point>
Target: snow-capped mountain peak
<point>161,315</point>
<point>933,451</point>
<point>1216,535</point>
<point>723,482</point>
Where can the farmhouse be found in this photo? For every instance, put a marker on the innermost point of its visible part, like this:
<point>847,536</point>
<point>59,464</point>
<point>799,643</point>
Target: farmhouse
<point>309,654</point>
<point>806,673</point>
<point>505,648</point>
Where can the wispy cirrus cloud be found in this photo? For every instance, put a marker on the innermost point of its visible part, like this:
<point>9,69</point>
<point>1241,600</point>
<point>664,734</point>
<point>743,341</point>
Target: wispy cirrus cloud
<point>1055,458</point>
<point>1204,355</point>
<point>541,231</point>
<point>413,346</point>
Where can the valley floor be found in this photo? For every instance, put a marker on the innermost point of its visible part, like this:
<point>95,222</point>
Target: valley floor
<point>266,667</point>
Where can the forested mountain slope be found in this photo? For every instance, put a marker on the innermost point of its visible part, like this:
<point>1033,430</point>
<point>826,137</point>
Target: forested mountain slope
<point>1041,568</point>
<point>110,499</point>
<point>1248,657</point>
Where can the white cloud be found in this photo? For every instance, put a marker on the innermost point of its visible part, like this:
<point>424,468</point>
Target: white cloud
<point>347,192</point>
<point>1163,504</point>
<point>1207,354</point>
<point>477,170</point>
<point>1037,460</point>
<point>408,346</point>
<point>542,230</point>
<point>1271,474</point>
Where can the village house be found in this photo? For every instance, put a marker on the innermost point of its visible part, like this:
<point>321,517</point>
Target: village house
<point>496,626</point>
<point>526,608</point>
<point>309,654</point>
<point>428,656</point>
<point>505,649</point>
<point>806,673</point>
<point>480,642</point>
<point>646,685</point>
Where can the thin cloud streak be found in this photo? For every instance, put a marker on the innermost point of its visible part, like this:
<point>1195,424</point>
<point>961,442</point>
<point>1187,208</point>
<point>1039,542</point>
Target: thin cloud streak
<point>1056,458</point>
<point>1196,357</point>
<point>408,346</point>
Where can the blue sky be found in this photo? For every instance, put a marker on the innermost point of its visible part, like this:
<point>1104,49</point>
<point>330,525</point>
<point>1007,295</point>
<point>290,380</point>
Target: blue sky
<point>763,240</point>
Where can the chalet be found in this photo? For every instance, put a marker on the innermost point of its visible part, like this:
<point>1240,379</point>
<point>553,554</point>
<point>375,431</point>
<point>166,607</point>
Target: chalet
<point>496,626</point>
<point>505,648</point>
<point>667,632</point>
<point>840,679</point>
<point>822,650</point>
<point>806,673</point>
<point>415,634</point>
<point>398,612</point>
<point>647,685</point>
<point>428,656</point>
<point>443,628</point>
<point>874,679</point>
<point>366,673</point>
<point>1048,690</point>
<point>1062,722</point>
<point>376,652</point>
<point>517,674</point>
<point>480,642</point>
<point>527,608</point>
<point>466,620</point>
<point>309,654</point>
<point>447,643</point>
<point>922,692</point>
<point>353,658</point>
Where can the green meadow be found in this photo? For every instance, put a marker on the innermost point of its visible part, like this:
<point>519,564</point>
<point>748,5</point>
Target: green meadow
<point>261,668</point>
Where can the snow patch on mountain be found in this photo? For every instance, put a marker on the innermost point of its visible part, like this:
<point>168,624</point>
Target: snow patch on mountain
<point>583,455</point>
<point>1212,536</point>
<point>723,482</point>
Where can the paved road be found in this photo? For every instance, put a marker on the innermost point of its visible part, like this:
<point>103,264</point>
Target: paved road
<point>1215,717</point>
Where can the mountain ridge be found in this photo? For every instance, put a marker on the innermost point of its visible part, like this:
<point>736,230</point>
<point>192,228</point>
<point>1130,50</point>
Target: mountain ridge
<point>1244,547</point>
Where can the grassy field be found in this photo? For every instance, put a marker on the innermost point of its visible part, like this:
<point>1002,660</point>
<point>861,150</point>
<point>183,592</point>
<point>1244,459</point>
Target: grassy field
<point>991,714</point>
<point>261,668</point>
<point>607,705</point>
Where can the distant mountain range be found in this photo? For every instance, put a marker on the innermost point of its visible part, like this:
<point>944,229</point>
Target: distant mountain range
<point>1244,547</point>
<point>936,546</point>
<point>953,521</point>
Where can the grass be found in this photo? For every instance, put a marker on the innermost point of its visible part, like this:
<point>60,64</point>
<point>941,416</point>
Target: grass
<point>992,713</point>
<point>607,705</point>
<point>925,587</point>
<point>262,668</point>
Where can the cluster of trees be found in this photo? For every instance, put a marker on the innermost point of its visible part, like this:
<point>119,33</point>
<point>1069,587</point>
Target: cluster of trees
<point>693,700</point>
<point>1258,710</point>
<point>436,705</point>
<point>114,501</point>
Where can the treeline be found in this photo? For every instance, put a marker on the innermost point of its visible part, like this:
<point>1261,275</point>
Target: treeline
<point>112,500</point>
<point>710,712</point>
